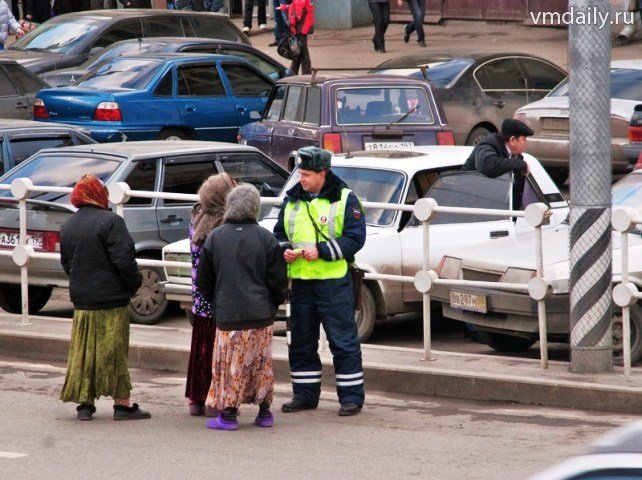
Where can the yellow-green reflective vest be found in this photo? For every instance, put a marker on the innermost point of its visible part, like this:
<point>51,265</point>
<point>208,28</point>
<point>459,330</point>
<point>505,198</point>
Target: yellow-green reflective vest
<point>302,234</point>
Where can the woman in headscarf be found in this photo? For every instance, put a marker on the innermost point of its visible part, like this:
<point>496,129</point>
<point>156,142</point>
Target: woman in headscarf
<point>207,214</point>
<point>243,273</point>
<point>98,254</point>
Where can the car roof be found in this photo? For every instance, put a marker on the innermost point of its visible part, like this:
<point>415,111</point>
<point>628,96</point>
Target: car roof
<point>137,12</point>
<point>631,64</point>
<point>182,41</point>
<point>173,56</point>
<point>432,56</point>
<point>359,79</point>
<point>13,124</point>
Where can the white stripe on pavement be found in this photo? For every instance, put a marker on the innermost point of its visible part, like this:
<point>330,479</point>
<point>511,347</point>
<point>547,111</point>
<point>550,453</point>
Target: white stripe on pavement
<point>12,455</point>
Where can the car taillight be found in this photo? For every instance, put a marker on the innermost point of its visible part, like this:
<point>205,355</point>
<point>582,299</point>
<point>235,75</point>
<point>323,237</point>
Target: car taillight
<point>108,112</point>
<point>445,138</point>
<point>635,134</point>
<point>51,241</point>
<point>332,142</point>
<point>39,109</point>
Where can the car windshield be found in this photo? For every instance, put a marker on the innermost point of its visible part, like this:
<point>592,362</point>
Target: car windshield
<point>440,73</point>
<point>59,34</point>
<point>626,84</point>
<point>370,185</point>
<point>131,73</point>
<point>58,171</point>
<point>627,192</point>
<point>376,105</point>
<point>121,49</point>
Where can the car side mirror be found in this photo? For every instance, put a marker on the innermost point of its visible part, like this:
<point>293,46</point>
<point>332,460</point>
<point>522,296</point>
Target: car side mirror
<point>95,51</point>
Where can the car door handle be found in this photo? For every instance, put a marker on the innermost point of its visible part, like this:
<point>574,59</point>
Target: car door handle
<point>499,234</point>
<point>241,110</point>
<point>290,131</point>
<point>21,105</point>
<point>499,104</point>
<point>190,108</point>
<point>172,219</point>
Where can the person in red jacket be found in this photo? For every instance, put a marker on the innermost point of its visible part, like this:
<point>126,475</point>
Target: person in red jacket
<point>301,20</point>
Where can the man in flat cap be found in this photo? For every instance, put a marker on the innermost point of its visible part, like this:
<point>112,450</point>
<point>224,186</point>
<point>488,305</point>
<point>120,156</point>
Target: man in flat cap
<point>500,153</point>
<point>321,227</point>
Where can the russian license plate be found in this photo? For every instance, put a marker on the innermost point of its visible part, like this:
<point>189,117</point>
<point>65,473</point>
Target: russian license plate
<point>555,123</point>
<point>468,301</point>
<point>387,145</point>
<point>12,239</point>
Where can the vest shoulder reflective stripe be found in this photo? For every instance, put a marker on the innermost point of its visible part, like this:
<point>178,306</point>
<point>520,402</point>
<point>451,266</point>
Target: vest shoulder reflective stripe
<point>301,233</point>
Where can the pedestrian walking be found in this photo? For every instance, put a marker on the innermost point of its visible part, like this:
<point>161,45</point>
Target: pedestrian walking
<point>248,12</point>
<point>280,22</point>
<point>381,15</point>
<point>243,273</point>
<point>61,7</point>
<point>37,11</point>
<point>418,12</point>
<point>301,24</point>
<point>500,153</point>
<point>212,5</point>
<point>321,227</point>
<point>7,23</point>
<point>207,214</point>
<point>98,255</point>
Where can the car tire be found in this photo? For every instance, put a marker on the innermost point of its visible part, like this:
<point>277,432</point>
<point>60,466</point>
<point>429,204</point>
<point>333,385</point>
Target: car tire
<point>11,298</point>
<point>366,315</point>
<point>636,336</point>
<point>558,175</point>
<point>505,343</point>
<point>148,305</point>
<point>476,135</point>
<point>172,134</point>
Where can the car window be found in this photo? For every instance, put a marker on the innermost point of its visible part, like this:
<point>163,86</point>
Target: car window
<point>541,75</point>
<point>27,82</point>
<point>254,169</point>
<point>186,177</point>
<point>501,74</point>
<point>123,72</point>
<point>164,26</point>
<point>213,27</point>
<point>199,80</point>
<point>23,148</point>
<point>142,177</point>
<point>122,30</point>
<point>245,82</point>
<point>313,106</point>
<point>372,105</point>
<point>472,190</point>
<point>165,85</point>
<point>439,73</point>
<point>276,105</point>
<point>1,156</point>
<point>262,65</point>
<point>293,111</point>
<point>625,84</point>
<point>7,88</point>
<point>120,49</point>
<point>60,34</point>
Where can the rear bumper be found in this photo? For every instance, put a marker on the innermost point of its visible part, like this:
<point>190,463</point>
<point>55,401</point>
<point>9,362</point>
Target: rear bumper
<point>44,273</point>
<point>106,135</point>
<point>554,152</point>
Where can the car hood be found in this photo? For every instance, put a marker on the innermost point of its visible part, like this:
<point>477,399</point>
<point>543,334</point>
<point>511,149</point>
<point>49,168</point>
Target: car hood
<point>558,106</point>
<point>34,61</point>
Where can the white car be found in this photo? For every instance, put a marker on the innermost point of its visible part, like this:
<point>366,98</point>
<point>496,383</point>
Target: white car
<point>394,242</point>
<point>507,321</point>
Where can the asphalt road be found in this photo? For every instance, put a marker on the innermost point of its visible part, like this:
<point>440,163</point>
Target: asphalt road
<point>394,437</point>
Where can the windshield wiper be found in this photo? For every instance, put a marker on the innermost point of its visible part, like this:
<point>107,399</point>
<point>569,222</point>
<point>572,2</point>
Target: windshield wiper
<point>403,117</point>
<point>35,49</point>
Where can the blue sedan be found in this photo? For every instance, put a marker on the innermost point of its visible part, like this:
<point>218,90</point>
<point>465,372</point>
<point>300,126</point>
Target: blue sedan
<point>169,96</point>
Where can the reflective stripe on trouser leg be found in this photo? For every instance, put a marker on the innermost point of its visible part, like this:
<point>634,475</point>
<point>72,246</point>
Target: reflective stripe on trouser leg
<point>305,364</point>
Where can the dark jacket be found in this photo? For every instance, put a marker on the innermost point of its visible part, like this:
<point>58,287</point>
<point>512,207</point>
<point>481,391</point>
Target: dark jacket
<point>354,222</point>
<point>243,272</point>
<point>491,158</point>
<point>98,254</point>
<point>40,10</point>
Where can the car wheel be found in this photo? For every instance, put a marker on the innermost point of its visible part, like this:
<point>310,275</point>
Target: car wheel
<point>366,315</point>
<point>636,336</point>
<point>476,135</point>
<point>11,298</point>
<point>505,343</point>
<point>558,175</point>
<point>172,134</point>
<point>148,305</point>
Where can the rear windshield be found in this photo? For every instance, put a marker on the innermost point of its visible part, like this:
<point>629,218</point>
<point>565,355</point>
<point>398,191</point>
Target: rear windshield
<point>59,171</point>
<point>59,34</point>
<point>129,73</point>
<point>626,84</point>
<point>387,105</point>
<point>122,49</point>
<point>439,73</point>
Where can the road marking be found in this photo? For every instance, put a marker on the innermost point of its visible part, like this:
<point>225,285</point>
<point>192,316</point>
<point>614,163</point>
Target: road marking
<point>12,455</point>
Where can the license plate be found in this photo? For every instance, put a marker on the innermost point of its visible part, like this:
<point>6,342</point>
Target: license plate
<point>11,239</point>
<point>468,301</point>
<point>387,145</point>
<point>555,123</point>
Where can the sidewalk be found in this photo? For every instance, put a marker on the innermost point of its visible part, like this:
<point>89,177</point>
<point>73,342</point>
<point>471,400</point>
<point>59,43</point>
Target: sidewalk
<point>387,369</point>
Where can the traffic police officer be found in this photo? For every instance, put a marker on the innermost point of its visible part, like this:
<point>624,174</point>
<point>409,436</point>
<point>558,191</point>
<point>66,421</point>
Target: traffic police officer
<point>321,227</point>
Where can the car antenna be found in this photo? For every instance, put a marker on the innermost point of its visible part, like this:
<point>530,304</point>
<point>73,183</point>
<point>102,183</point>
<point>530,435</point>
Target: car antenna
<point>140,45</point>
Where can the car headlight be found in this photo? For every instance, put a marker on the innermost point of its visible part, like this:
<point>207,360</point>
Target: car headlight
<point>449,267</point>
<point>518,275</point>
<point>178,271</point>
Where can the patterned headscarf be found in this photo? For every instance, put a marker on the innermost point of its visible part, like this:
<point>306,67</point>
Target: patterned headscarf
<point>90,190</point>
<point>208,213</point>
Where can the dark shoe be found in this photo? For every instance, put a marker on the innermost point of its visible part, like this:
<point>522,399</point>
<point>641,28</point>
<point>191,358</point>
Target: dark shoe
<point>121,412</point>
<point>273,44</point>
<point>421,43</point>
<point>264,419</point>
<point>196,409</point>
<point>85,411</point>
<point>382,50</point>
<point>349,408</point>
<point>219,423</point>
<point>296,405</point>
<point>406,36</point>
<point>212,412</point>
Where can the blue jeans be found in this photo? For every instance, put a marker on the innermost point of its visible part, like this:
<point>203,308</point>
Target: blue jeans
<point>280,21</point>
<point>213,5</point>
<point>1,46</point>
<point>418,11</point>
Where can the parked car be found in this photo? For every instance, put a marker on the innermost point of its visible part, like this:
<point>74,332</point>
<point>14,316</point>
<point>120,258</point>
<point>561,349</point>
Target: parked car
<point>633,150</point>
<point>394,239</point>
<point>617,455</point>
<point>18,88</point>
<point>68,40</point>
<point>549,119</point>
<point>176,167</point>
<point>138,46</point>
<point>479,89</point>
<point>161,96</point>
<point>342,114</point>
<point>19,139</point>
<point>507,321</point>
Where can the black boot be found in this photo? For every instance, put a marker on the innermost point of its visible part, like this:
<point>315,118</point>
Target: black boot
<point>121,412</point>
<point>296,405</point>
<point>85,411</point>
<point>349,408</point>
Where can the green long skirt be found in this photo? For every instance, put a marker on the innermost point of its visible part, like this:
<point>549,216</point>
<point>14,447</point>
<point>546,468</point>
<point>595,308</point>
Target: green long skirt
<point>97,360</point>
